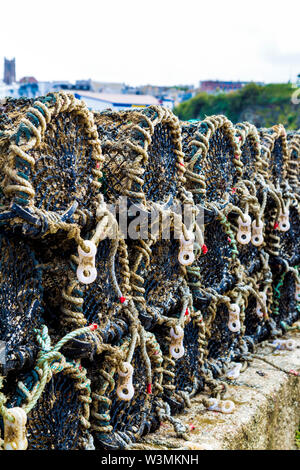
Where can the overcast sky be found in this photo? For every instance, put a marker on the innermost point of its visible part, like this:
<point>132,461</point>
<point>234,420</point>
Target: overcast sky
<point>161,42</point>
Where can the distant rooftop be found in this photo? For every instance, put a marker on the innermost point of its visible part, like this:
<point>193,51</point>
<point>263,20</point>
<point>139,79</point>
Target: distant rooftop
<point>115,98</point>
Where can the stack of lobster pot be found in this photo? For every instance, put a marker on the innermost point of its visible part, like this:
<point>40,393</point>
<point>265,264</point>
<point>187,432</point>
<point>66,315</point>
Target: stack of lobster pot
<point>142,259</point>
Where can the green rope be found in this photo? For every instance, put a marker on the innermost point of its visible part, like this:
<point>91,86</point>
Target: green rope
<point>46,357</point>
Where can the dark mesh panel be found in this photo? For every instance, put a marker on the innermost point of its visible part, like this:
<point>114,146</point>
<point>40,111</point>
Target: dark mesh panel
<point>64,164</point>
<point>21,296</point>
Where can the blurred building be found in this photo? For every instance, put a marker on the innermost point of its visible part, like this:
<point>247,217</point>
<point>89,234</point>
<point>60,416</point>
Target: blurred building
<point>9,71</point>
<point>116,102</point>
<point>214,86</point>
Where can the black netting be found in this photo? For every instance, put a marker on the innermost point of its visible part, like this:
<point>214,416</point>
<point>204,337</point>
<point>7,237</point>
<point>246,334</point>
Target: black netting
<point>215,266</point>
<point>219,169</point>
<point>128,420</point>
<point>222,342</point>
<point>187,370</point>
<point>162,280</point>
<point>21,295</point>
<point>288,250</point>
<point>55,423</point>
<point>285,306</point>
<point>64,164</point>
<point>124,139</point>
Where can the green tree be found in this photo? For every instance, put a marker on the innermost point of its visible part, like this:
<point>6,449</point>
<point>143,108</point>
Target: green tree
<point>264,106</point>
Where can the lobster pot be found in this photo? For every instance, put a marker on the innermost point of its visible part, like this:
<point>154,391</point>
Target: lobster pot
<point>60,418</point>
<point>52,164</point>
<point>194,150</point>
<point>249,141</point>
<point>288,249</point>
<point>143,154</point>
<point>223,344</point>
<point>256,322</point>
<point>275,153</point>
<point>274,157</point>
<point>212,155</point>
<point>293,162</point>
<point>161,278</point>
<point>244,199</point>
<point>213,269</point>
<point>116,422</point>
<point>11,111</point>
<point>99,302</point>
<point>21,302</point>
<point>162,298</point>
<point>281,244</point>
<point>286,307</point>
<point>188,369</point>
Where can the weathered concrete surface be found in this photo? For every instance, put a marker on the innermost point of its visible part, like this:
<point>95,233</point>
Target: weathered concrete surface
<point>266,417</point>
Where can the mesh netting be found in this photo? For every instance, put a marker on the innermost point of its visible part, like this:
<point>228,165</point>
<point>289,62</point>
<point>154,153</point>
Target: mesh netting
<point>162,279</point>
<point>64,164</point>
<point>188,369</point>
<point>275,141</point>
<point>288,250</point>
<point>212,152</point>
<point>219,168</point>
<point>215,267</point>
<point>57,421</point>
<point>118,422</point>
<point>21,297</point>
<point>285,308</point>
<point>222,343</point>
<point>142,154</point>
<point>53,162</point>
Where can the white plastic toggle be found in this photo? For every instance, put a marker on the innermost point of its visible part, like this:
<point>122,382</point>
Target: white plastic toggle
<point>297,292</point>
<point>263,297</point>
<point>176,345</point>
<point>224,406</point>
<point>234,373</point>
<point>257,233</point>
<point>15,432</point>
<point>234,324</point>
<point>283,221</point>
<point>244,230</point>
<point>186,255</point>
<point>86,271</point>
<point>284,344</point>
<point>125,390</point>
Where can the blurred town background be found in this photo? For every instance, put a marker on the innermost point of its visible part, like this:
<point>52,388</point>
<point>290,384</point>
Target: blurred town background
<point>263,104</point>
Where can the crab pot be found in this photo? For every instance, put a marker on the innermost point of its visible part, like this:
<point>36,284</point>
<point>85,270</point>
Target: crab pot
<point>212,155</point>
<point>117,422</point>
<point>162,279</point>
<point>188,369</point>
<point>275,153</point>
<point>250,148</point>
<point>288,249</point>
<point>285,306</point>
<point>60,418</point>
<point>76,304</point>
<point>293,162</point>
<point>21,302</point>
<point>143,154</point>
<point>214,268</point>
<point>223,345</point>
<point>158,289</point>
<point>257,327</point>
<point>11,112</point>
<point>52,164</point>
